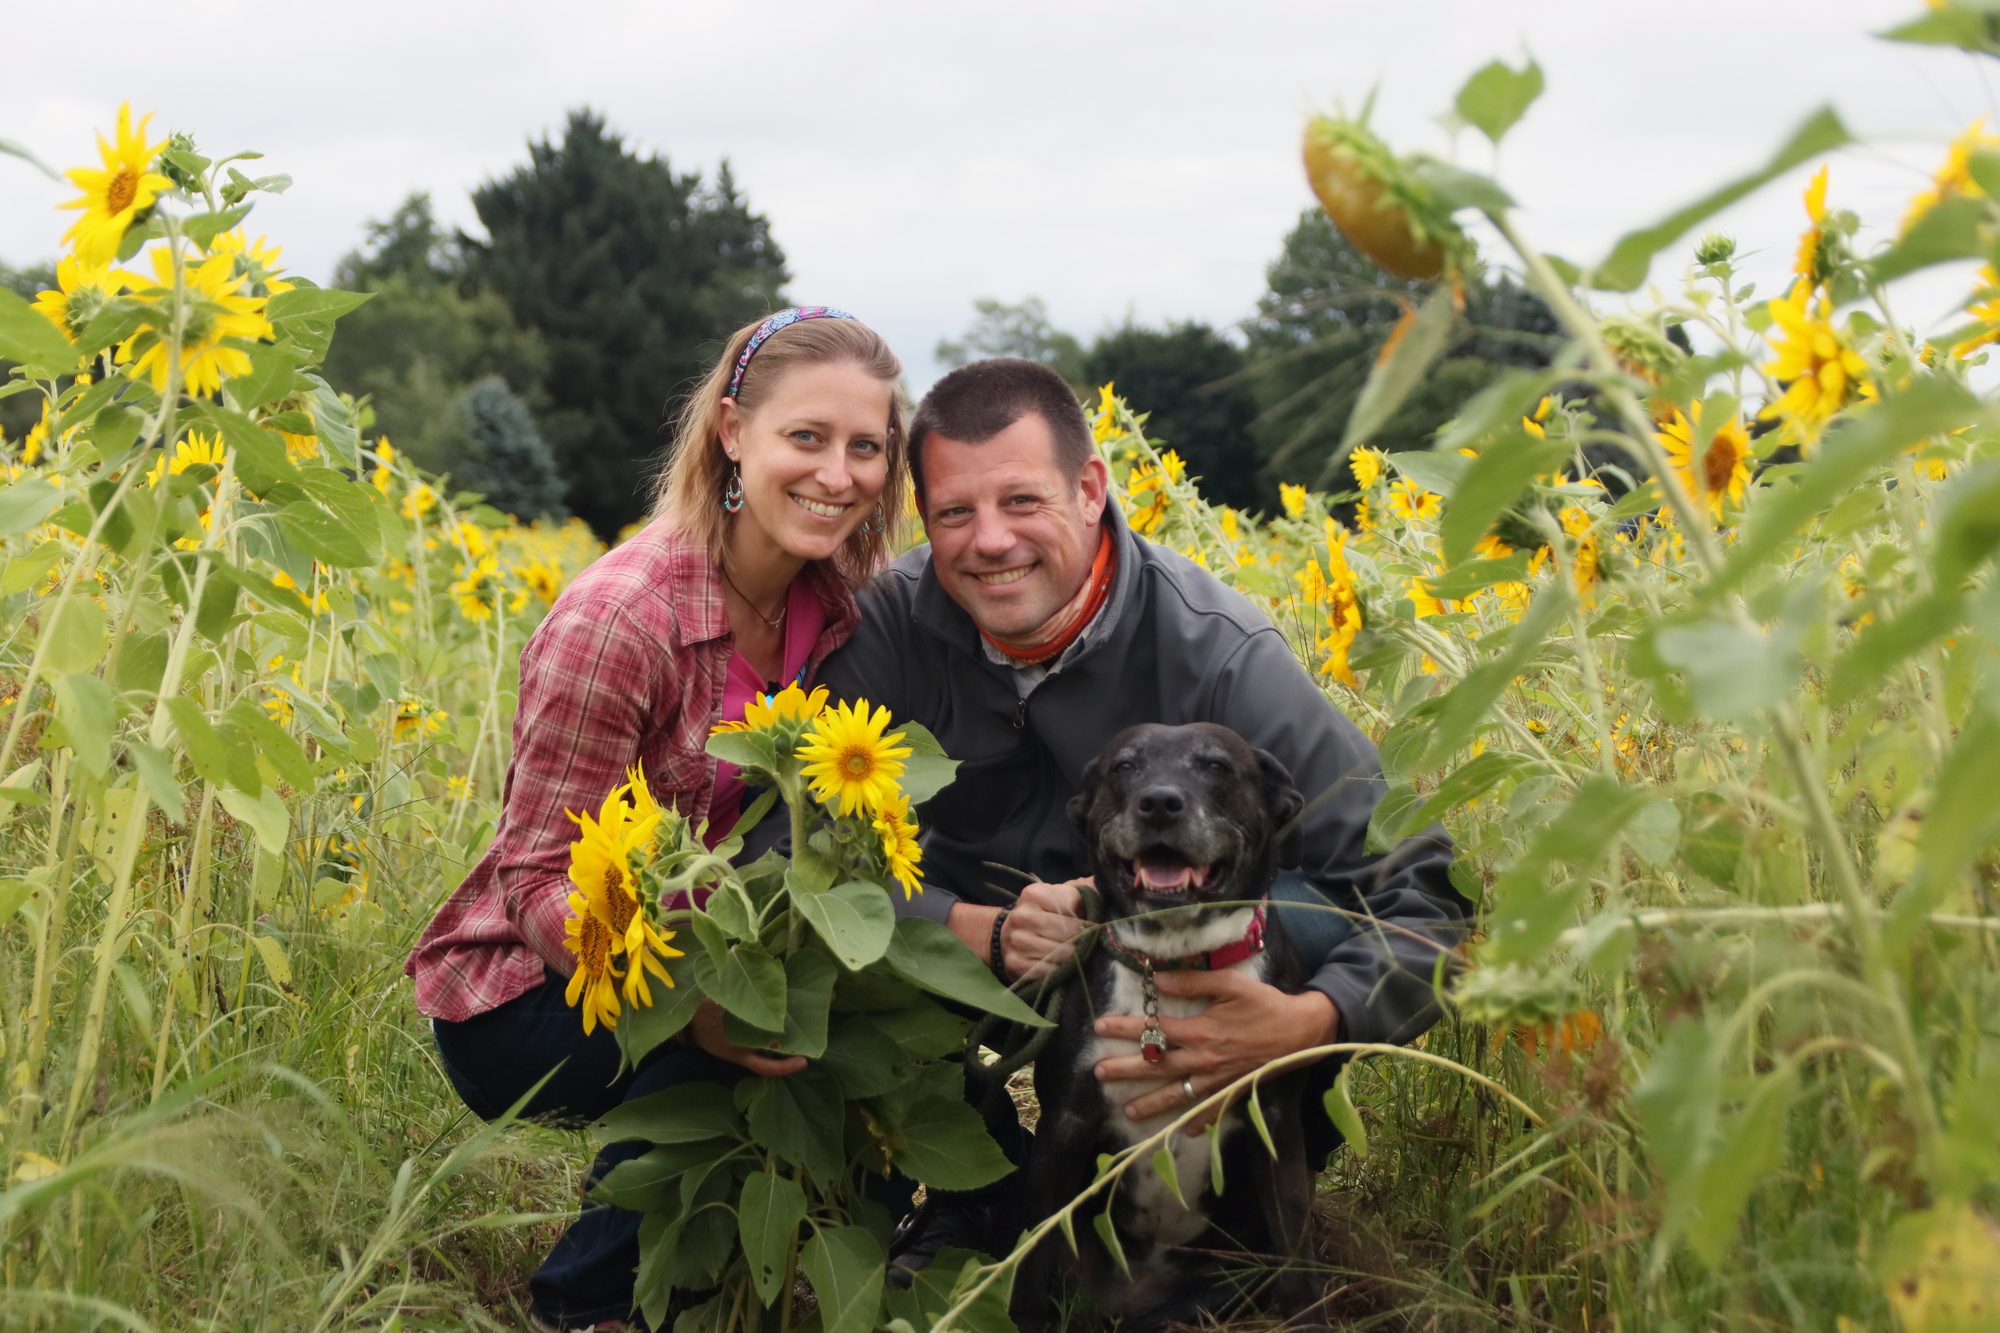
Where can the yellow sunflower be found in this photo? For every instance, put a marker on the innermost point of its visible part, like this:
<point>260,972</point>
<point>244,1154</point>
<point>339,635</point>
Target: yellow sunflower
<point>1722,471</point>
<point>1815,363</point>
<point>1364,518</point>
<point>252,260</point>
<point>1343,610</point>
<point>1983,305</point>
<point>899,843</point>
<point>1366,465</point>
<point>114,196</point>
<point>1955,176</point>
<point>595,982</point>
<point>1808,264</point>
<point>1107,416</point>
<point>851,761</point>
<point>196,450</point>
<point>1293,498</point>
<point>544,580</point>
<point>787,713</point>
<point>602,866</point>
<point>83,290</point>
<point>474,590</point>
<point>1411,502</point>
<point>1427,605</point>
<point>215,310</point>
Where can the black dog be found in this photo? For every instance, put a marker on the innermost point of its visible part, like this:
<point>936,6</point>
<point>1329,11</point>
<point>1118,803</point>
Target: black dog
<point>1182,829</point>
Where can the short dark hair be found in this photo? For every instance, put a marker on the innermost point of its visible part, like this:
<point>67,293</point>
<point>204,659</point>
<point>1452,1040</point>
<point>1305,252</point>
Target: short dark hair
<point>978,401</point>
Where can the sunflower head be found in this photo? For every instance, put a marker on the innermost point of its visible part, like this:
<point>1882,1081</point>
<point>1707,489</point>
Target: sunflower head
<point>900,852</point>
<point>849,762</point>
<point>114,198</point>
<point>216,317</point>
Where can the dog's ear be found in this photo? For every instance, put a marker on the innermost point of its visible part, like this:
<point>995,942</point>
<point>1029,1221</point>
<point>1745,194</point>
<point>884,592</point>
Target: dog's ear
<point>1086,792</point>
<point>1285,803</point>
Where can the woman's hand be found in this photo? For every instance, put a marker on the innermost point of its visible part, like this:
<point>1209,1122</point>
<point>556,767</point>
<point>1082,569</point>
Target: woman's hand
<point>705,1030</point>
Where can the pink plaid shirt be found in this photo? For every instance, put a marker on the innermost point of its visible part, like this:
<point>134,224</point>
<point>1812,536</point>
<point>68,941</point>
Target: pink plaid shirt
<point>629,667</point>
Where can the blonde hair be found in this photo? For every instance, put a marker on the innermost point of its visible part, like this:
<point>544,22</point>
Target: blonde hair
<point>691,486</point>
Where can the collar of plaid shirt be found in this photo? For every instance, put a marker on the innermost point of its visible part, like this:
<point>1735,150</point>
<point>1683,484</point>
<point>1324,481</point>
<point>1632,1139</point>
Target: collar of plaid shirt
<point>628,667</point>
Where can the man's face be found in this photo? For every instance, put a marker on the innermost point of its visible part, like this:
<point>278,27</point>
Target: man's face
<point>1012,538</point>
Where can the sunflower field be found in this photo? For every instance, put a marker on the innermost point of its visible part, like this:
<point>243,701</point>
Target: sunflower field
<point>1689,640</point>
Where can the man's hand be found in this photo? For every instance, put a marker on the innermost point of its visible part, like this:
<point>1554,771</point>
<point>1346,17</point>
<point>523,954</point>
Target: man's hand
<point>705,1030</point>
<point>1247,1024</point>
<point>1036,938</point>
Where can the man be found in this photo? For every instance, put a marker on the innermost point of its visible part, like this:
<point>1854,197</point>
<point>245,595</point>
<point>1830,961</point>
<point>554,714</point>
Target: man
<point>1036,626</point>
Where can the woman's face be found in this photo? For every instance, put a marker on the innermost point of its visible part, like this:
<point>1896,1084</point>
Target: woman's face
<point>814,456</point>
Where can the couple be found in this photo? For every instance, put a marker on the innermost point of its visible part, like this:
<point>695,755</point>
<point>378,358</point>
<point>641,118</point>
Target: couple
<point>1033,628</point>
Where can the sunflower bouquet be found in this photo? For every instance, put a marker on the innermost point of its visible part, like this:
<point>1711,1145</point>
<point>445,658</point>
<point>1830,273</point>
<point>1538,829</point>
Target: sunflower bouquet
<point>748,1187</point>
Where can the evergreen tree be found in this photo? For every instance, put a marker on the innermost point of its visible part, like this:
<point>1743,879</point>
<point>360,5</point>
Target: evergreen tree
<point>501,455</point>
<point>1188,379</point>
<point>1323,321</point>
<point>632,273</point>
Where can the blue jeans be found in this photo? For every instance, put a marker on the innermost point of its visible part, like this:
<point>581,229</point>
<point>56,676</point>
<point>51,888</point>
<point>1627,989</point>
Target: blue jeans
<point>495,1057</point>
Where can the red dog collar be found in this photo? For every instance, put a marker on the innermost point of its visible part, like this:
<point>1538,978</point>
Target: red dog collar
<point>1214,960</point>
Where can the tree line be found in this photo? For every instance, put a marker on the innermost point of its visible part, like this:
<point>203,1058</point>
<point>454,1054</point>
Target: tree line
<point>538,365</point>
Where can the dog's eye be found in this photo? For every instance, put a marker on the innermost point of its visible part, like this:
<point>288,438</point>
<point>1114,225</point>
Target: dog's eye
<point>1215,765</point>
<point>1123,766</point>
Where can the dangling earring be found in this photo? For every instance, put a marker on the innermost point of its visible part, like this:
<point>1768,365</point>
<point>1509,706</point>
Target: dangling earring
<point>876,524</point>
<point>732,499</point>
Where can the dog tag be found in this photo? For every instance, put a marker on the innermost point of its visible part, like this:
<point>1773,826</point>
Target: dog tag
<point>1153,1045</point>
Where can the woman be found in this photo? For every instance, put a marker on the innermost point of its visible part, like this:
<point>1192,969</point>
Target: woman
<point>783,492</point>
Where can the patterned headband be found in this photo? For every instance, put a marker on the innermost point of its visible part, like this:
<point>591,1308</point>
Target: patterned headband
<point>783,319</point>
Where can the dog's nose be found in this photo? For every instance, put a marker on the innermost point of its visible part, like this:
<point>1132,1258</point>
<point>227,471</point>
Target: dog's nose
<point>1160,804</point>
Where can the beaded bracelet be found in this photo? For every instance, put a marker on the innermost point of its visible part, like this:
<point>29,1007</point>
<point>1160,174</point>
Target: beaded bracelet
<point>998,961</point>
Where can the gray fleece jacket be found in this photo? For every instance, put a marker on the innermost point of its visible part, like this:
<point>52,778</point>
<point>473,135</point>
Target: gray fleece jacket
<point>1171,645</point>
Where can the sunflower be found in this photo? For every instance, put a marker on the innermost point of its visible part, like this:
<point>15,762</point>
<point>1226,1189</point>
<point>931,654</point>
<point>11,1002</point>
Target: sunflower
<point>113,197</point>
<point>786,713</point>
<point>1721,472</point>
<point>1146,495</point>
<point>1585,557</point>
<point>1426,604</point>
<point>1411,502</point>
<point>1364,518</point>
<point>1815,363</point>
<point>474,589</point>
<point>1810,263</point>
<point>899,843</point>
<point>83,290</point>
<point>601,864</point>
<point>543,579</point>
<point>1366,465</point>
<point>1343,611</point>
<point>252,260</point>
<point>1983,304</point>
<point>197,450</point>
<point>1293,498</point>
<point>1107,416</point>
<point>1955,176</point>
<point>215,310</point>
<point>416,720</point>
<point>595,981</point>
<point>849,758</point>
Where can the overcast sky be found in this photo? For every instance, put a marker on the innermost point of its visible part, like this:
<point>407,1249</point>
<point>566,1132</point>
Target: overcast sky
<point>1117,159</point>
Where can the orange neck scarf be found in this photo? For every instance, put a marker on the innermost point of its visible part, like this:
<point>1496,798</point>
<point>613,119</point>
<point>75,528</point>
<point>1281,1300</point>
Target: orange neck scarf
<point>1060,630</point>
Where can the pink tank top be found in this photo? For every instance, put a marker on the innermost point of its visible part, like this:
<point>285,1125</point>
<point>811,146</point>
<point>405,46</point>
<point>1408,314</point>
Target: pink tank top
<point>804,619</point>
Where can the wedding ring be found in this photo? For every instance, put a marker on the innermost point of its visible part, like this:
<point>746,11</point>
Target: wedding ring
<point>1187,1090</point>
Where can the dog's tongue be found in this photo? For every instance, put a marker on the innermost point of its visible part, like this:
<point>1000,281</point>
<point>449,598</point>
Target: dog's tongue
<point>1168,874</point>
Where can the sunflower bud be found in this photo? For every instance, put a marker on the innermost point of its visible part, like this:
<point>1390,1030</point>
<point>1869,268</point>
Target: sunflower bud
<point>1715,248</point>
